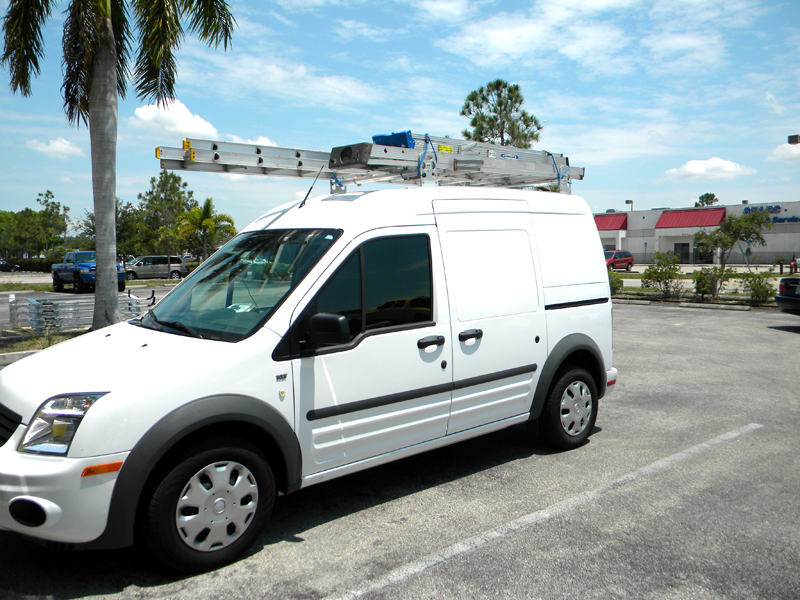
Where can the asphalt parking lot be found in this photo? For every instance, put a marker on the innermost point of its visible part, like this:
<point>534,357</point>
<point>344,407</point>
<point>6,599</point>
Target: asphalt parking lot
<point>688,488</point>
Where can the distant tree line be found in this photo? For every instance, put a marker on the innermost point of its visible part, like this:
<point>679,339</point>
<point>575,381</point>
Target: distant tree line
<point>167,218</point>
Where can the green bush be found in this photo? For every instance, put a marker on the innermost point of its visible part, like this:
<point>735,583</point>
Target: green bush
<point>615,282</point>
<point>757,286</point>
<point>37,265</point>
<point>711,281</point>
<point>664,275</point>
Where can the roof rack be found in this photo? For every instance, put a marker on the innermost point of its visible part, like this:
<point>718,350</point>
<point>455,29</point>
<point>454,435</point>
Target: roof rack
<point>401,158</point>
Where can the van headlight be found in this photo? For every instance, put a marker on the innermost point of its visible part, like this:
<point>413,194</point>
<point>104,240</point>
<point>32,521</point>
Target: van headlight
<point>55,423</point>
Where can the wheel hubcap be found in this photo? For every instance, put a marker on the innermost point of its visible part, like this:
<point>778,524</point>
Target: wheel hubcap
<point>217,506</point>
<point>576,408</point>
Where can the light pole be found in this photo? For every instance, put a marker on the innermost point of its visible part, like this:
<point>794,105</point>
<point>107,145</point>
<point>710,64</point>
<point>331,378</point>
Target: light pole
<point>631,203</point>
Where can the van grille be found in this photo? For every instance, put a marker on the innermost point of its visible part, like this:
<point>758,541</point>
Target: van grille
<point>9,421</point>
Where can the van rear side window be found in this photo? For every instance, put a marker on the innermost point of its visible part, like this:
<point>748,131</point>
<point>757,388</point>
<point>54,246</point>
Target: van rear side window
<point>494,274</point>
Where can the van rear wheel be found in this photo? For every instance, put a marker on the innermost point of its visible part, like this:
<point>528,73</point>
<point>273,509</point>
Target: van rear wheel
<point>208,504</point>
<point>570,412</point>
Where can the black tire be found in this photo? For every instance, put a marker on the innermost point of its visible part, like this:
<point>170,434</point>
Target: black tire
<point>79,285</point>
<point>58,285</point>
<point>175,275</point>
<point>570,411</point>
<point>121,285</point>
<point>180,547</point>
<point>629,266</point>
<point>130,276</point>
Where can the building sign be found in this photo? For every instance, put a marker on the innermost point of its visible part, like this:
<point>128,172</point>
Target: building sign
<point>774,209</point>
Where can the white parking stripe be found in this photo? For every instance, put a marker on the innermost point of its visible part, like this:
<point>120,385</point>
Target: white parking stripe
<point>415,568</point>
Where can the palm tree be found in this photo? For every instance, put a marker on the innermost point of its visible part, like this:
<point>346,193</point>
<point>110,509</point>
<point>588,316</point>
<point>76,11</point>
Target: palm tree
<point>97,43</point>
<point>211,226</point>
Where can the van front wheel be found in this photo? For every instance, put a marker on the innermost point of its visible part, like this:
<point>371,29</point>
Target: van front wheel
<point>208,504</point>
<point>570,412</point>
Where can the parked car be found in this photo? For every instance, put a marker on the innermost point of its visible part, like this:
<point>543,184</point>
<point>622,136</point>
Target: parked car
<point>788,298</point>
<point>155,267</point>
<point>7,266</point>
<point>619,259</point>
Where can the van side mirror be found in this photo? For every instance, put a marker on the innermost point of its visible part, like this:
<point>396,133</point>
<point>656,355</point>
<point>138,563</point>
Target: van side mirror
<point>327,329</point>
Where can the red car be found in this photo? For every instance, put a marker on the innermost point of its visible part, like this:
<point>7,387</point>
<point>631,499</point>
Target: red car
<point>619,259</point>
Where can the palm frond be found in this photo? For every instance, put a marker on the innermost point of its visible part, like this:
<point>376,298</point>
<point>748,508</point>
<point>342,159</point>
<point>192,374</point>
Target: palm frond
<point>22,32</point>
<point>122,37</point>
<point>160,35</point>
<point>210,20</point>
<point>82,34</point>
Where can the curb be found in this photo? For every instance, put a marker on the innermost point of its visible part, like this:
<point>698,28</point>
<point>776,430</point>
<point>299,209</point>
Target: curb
<point>625,301</point>
<point>714,306</point>
<point>12,357</point>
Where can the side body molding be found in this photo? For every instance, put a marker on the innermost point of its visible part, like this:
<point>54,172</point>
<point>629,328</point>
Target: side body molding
<point>180,423</point>
<point>588,357</point>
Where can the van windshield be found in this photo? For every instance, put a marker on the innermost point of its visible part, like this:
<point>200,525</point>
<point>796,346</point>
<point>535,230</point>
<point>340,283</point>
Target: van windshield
<point>235,291</point>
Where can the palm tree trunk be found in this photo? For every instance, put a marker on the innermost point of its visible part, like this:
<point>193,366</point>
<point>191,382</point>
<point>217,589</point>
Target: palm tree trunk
<point>103,135</point>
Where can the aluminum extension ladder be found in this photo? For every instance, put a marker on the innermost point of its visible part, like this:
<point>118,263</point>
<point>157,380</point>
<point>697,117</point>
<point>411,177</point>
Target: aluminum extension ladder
<point>398,158</point>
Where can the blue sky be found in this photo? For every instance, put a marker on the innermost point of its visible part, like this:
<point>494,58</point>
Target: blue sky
<point>660,100</point>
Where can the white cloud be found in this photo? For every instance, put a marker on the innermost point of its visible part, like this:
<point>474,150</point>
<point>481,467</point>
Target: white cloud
<point>282,19</point>
<point>686,51</point>
<point>60,149</point>
<point>785,153</point>
<point>65,180</point>
<point>174,117</point>
<point>778,109</point>
<point>712,169</point>
<point>261,140</point>
<point>349,29</point>
<point>445,10</point>
<point>276,78</point>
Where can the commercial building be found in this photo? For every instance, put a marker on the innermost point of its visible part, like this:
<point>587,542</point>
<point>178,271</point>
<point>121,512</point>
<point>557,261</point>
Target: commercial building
<point>644,232</point>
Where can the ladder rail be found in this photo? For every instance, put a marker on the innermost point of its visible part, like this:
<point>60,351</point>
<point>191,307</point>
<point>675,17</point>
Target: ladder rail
<point>431,161</point>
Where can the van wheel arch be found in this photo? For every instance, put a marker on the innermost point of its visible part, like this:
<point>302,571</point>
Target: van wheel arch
<point>573,351</point>
<point>241,416</point>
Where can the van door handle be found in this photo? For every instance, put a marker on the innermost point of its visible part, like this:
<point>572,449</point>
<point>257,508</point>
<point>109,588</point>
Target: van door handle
<point>431,340</point>
<point>470,334</point>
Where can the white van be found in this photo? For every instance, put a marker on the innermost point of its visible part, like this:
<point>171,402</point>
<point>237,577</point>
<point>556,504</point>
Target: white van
<point>328,337</point>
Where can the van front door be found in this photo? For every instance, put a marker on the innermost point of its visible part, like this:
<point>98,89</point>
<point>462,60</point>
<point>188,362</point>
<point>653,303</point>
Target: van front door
<point>388,386</point>
<point>497,317</point>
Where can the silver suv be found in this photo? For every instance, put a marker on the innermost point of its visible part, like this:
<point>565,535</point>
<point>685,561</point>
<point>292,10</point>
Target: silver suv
<point>153,267</point>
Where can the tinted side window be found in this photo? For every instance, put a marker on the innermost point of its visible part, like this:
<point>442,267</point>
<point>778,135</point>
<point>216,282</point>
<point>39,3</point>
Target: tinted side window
<point>397,281</point>
<point>393,288</point>
<point>342,295</point>
<point>160,260</point>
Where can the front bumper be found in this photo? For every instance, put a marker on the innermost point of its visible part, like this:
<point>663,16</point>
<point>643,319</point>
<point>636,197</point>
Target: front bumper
<point>75,507</point>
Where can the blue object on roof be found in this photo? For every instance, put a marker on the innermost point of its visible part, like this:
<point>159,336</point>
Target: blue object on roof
<point>400,140</point>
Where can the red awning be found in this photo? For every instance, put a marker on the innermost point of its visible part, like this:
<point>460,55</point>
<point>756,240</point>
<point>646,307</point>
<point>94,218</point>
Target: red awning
<point>611,222</point>
<point>707,217</point>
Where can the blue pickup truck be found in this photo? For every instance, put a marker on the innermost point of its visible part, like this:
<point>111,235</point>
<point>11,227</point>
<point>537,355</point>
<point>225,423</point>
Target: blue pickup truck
<point>79,270</point>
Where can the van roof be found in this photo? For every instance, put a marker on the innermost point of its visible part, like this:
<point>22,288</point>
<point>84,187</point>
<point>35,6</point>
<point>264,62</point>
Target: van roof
<point>411,206</point>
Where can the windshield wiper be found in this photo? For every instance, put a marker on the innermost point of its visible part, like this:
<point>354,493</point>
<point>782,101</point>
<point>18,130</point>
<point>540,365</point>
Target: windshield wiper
<point>181,327</point>
<point>177,325</point>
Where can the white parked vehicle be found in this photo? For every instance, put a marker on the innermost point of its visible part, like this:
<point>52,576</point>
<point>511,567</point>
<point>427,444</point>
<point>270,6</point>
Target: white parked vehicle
<point>328,337</point>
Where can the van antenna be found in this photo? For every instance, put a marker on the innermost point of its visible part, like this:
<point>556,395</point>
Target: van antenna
<point>303,203</point>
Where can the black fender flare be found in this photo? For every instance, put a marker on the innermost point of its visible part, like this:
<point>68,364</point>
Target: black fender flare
<point>172,428</point>
<point>576,342</point>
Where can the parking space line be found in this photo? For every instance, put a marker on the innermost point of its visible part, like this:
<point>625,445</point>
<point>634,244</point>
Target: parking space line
<point>465,546</point>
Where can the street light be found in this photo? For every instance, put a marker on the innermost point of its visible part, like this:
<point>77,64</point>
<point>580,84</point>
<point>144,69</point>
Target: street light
<point>794,139</point>
<point>629,202</point>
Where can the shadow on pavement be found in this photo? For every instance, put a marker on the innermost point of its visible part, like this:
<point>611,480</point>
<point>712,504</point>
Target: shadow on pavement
<point>31,571</point>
